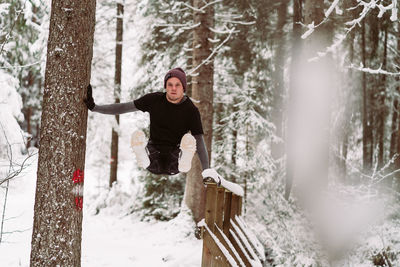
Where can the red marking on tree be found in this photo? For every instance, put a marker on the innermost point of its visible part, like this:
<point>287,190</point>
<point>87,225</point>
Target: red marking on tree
<point>79,202</point>
<point>77,178</point>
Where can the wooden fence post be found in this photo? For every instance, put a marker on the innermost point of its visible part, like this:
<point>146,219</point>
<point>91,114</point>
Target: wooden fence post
<point>227,213</point>
<point>220,207</point>
<point>211,197</point>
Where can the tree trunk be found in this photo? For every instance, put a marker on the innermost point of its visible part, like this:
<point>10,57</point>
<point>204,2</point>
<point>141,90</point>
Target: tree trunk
<point>367,127</point>
<point>57,226</point>
<point>382,110</point>
<point>117,91</point>
<point>278,81</point>
<point>344,142</point>
<point>202,90</point>
<point>294,64</point>
<point>219,145</point>
<point>28,115</point>
<point>397,161</point>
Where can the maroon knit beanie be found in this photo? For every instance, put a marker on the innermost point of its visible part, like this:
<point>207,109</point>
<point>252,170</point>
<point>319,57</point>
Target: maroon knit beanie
<point>178,73</point>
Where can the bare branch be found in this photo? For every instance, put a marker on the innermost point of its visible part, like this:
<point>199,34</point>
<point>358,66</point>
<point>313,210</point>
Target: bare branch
<point>191,72</point>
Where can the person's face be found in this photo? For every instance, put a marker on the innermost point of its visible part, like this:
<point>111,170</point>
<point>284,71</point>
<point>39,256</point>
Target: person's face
<point>174,90</point>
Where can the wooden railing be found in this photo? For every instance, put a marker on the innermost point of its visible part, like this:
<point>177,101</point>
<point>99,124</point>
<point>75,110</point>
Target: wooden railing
<point>227,240</point>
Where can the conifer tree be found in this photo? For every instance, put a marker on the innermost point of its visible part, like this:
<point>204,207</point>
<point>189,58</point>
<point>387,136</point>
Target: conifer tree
<point>57,227</point>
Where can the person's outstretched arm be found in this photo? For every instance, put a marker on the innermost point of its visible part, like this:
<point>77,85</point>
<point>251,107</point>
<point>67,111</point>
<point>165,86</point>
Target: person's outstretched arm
<point>112,109</point>
<point>202,151</point>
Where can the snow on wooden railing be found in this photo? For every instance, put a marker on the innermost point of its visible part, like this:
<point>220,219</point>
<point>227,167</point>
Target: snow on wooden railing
<point>227,240</point>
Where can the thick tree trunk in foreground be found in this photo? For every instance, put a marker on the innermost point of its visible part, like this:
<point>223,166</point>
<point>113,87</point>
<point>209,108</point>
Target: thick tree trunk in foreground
<point>202,90</point>
<point>57,227</point>
<point>117,91</point>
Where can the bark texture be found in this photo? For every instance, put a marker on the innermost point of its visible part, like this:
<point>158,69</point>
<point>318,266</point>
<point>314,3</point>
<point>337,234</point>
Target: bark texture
<point>57,227</point>
<point>202,90</point>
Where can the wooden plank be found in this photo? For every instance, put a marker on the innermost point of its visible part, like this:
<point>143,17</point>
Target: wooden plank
<point>234,206</point>
<point>206,258</point>
<point>245,242</point>
<point>211,199</point>
<point>238,248</point>
<point>231,249</point>
<point>211,204</point>
<point>220,207</point>
<point>240,206</point>
<point>217,257</point>
<point>227,213</point>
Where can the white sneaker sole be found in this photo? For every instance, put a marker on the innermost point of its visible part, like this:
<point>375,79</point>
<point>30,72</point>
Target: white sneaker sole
<point>138,144</point>
<point>188,147</point>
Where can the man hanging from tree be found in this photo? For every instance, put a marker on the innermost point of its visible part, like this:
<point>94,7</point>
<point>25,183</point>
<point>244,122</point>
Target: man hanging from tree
<point>172,115</point>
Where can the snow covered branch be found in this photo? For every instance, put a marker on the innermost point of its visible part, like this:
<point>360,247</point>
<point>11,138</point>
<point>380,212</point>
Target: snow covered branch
<point>202,9</point>
<point>186,26</point>
<point>367,7</point>
<point>191,72</point>
<point>372,71</point>
<point>23,66</point>
<point>246,23</point>
<point>3,7</point>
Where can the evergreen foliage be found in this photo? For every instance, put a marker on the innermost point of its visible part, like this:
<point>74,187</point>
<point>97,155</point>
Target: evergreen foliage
<point>162,195</point>
<point>23,48</point>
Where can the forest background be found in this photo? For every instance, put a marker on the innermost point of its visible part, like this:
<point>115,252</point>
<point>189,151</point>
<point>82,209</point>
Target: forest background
<point>305,96</point>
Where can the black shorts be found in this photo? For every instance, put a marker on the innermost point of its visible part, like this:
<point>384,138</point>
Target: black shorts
<point>163,159</point>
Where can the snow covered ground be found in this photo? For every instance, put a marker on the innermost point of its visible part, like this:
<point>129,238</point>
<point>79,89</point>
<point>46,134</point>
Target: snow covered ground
<point>111,238</point>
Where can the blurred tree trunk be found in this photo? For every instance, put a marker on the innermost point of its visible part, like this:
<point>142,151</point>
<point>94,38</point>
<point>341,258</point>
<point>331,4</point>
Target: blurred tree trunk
<point>117,91</point>
<point>57,226</point>
<point>294,65</point>
<point>278,79</point>
<point>395,116</point>
<point>345,131</point>
<point>397,136</point>
<point>202,90</point>
<point>367,127</point>
<point>382,109</point>
<point>348,99</point>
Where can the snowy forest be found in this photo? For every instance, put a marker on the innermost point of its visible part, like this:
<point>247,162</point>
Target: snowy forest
<point>299,101</point>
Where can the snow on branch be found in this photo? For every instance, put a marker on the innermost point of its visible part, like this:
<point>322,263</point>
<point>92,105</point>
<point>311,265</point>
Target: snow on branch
<point>22,66</point>
<point>240,22</point>
<point>8,35</point>
<point>202,9</point>
<point>186,26</point>
<point>376,71</point>
<point>330,9</point>
<point>217,31</point>
<point>231,16</point>
<point>367,7</point>
<point>212,53</point>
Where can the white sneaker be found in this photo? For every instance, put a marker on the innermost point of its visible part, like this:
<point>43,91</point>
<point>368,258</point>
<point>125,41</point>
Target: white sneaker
<point>188,147</point>
<point>138,144</point>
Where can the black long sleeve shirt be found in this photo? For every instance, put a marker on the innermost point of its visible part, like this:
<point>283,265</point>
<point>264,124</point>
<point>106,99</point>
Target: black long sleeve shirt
<point>168,121</point>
